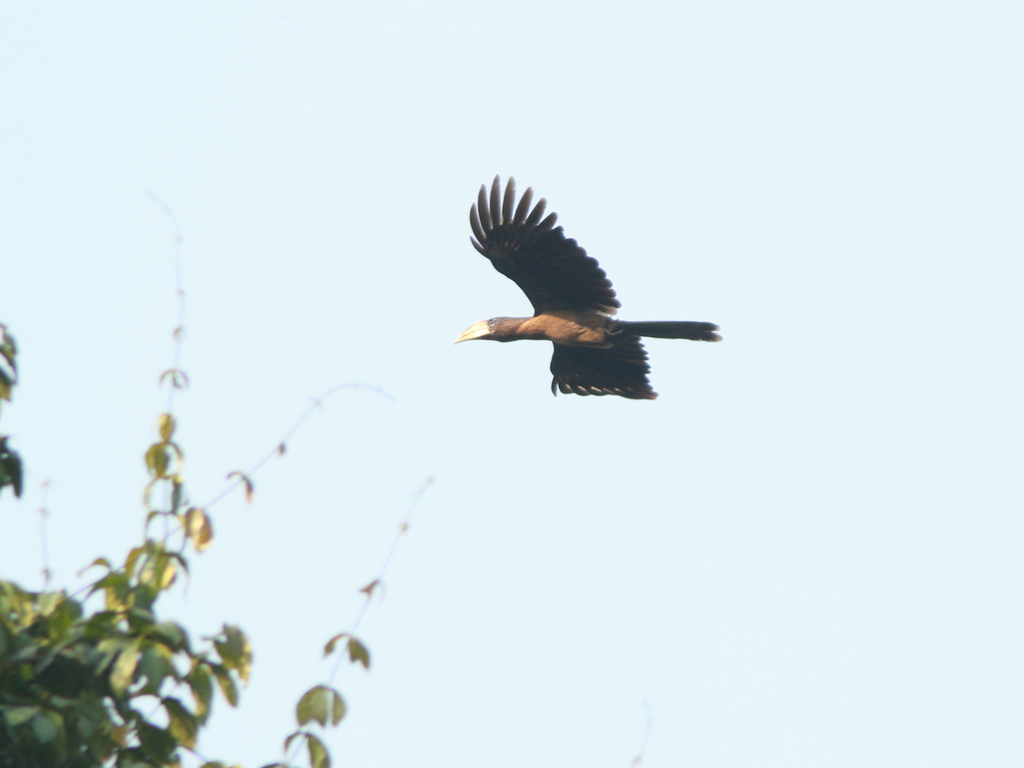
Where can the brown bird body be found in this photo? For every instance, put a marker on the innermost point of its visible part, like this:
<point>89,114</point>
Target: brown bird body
<point>573,301</point>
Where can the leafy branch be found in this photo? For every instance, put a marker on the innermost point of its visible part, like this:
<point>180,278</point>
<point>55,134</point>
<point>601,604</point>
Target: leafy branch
<point>83,688</point>
<point>92,689</point>
<point>322,704</point>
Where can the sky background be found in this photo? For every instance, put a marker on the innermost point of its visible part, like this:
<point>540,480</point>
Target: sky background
<point>806,552</point>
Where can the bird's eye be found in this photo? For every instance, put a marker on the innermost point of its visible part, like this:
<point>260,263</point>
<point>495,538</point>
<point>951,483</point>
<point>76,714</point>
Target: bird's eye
<point>492,322</point>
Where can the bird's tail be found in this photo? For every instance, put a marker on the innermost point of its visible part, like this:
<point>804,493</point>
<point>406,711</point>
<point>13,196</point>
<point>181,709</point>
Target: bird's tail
<point>671,329</point>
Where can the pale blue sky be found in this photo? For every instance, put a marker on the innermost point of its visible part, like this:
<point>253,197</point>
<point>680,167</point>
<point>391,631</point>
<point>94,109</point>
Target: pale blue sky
<point>807,552</point>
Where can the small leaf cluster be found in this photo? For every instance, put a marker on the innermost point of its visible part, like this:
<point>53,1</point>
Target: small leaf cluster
<point>10,461</point>
<point>324,706</point>
<point>161,458</point>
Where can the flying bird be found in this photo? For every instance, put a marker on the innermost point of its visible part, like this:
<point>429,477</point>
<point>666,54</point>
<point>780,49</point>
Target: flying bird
<point>573,300</point>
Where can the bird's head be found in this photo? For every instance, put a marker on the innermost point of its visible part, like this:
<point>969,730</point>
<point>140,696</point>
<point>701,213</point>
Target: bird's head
<point>495,329</point>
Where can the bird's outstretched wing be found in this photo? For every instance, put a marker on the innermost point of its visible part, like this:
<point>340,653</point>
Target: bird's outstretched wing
<point>553,271</point>
<point>618,370</point>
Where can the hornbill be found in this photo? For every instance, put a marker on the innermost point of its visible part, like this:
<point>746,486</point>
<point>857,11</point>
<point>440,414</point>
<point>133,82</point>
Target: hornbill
<point>573,300</point>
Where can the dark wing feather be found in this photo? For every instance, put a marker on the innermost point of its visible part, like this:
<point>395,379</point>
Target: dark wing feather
<point>619,370</point>
<point>552,270</point>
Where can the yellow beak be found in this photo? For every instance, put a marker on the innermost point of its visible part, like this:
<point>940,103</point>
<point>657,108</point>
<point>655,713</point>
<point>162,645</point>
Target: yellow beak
<point>475,331</point>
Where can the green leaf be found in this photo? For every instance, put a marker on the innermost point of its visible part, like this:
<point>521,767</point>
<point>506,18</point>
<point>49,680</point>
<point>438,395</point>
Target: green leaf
<point>198,528</point>
<point>101,625</point>
<point>318,755</point>
<point>172,635</point>
<point>358,652</point>
<point>91,716</point>
<point>140,619</point>
<point>158,743</point>
<point>8,348</point>
<point>10,468</point>
<point>29,652</point>
<point>46,728</point>
<point>227,685</point>
<point>202,689</point>
<point>108,648</point>
<point>124,669</point>
<point>338,708</point>
<point>235,651</point>
<point>133,558</point>
<point>158,460</point>
<point>15,716</point>
<point>313,706</point>
<point>321,704</point>
<point>158,571</point>
<point>168,572</point>
<point>116,589</point>
<point>49,601</point>
<point>156,665</point>
<point>64,614</point>
<point>182,723</point>
<point>165,426</point>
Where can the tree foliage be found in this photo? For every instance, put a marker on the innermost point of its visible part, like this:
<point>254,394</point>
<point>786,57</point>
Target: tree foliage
<point>113,684</point>
<point>97,678</point>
